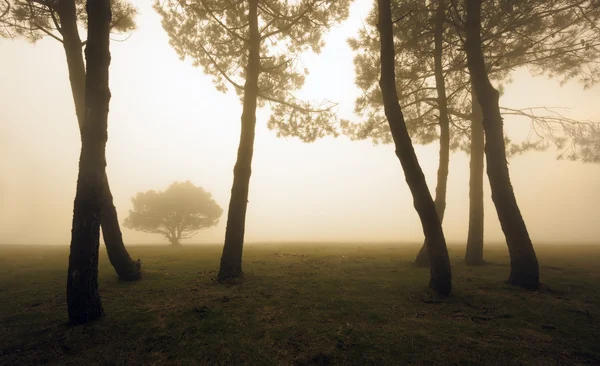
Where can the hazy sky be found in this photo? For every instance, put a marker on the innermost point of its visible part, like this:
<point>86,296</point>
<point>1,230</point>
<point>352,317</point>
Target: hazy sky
<point>167,122</point>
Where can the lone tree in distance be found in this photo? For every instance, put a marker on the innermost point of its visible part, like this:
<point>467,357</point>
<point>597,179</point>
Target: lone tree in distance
<point>83,299</point>
<point>253,45</point>
<point>441,280</point>
<point>177,213</point>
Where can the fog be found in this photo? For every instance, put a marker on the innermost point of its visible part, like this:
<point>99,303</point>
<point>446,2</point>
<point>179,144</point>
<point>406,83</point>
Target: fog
<point>167,123</point>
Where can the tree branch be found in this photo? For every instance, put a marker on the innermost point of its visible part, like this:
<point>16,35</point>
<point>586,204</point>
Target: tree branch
<point>290,24</point>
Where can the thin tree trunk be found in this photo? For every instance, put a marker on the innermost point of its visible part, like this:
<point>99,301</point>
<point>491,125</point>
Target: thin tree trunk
<point>231,259</point>
<point>126,268</point>
<point>83,299</point>
<point>73,52</point>
<point>524,265</point>
<point>474,251</point>
<point>444,121</point>
<point>432,228</point>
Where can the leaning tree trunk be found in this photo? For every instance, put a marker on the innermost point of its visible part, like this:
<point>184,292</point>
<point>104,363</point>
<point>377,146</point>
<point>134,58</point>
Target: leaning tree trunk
<point>524,265</point>
<point>432,228</point>
<point>444,121</point>
<point>231,259</point>
<point>126,268</point>
<point>83,299</point>
<point>474,251</point>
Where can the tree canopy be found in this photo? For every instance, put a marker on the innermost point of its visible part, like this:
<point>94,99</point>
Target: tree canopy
<point>177,213</point>
<point>215,35</point>
<point>555,38</point>
<point>36,19</point>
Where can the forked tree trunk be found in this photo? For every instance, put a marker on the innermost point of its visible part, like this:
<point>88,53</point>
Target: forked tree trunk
<point>231,259</point>
<point>432,228</point>
<point>524,270</point>
<point>174,241</point>
<point>474,251</point>
<point>444,121</point>
<point>126,268</point>
<point>83,299</point>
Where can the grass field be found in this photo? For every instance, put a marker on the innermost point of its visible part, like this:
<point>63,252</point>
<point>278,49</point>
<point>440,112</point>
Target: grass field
<point>303,305</point>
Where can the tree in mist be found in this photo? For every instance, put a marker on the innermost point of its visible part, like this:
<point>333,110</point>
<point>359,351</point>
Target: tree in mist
<point>60,20</point>
<point>524,265</point>
<point>177,213</point>
<point>432,228</point>
<point>254,46</point>
<point>83,299</point>
<point>564,47</point>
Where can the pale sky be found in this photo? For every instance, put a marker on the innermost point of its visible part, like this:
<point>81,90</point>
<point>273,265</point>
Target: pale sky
<point>167,123</point>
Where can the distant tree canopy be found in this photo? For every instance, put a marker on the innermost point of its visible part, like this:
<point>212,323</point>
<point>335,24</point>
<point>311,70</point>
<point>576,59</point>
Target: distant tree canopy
<point>177,213</point>
<point>36,19</point>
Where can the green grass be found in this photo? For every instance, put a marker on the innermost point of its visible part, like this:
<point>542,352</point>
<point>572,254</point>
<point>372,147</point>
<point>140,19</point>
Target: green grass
<point>303,305</point>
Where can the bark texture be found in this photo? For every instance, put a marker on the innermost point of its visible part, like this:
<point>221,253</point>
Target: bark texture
<point>436,244</point>
<point>83,299</point>
<point>524,265</point>
<point>126,268</point>
<point>474,251</point>
<point>444,122</point>
<point>231,259</point>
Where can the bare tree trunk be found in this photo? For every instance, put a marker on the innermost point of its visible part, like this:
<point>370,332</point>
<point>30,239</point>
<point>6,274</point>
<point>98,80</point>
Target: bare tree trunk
<point>474,251</point>
<point>436,244</point>
<point>83,299</point>
<point>231,259</point>
<point>126,268</point>
<point>524,265</point>
<point>444,121</point>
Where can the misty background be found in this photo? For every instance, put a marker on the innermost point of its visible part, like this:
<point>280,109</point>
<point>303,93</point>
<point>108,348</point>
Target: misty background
<point>168,123</point>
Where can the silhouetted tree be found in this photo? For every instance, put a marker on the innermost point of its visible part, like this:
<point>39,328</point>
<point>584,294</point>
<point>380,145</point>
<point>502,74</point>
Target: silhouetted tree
<point>83,299</point>
<point>60,20</point>
<point>524,265</point>
<point>177,213</point>
<point>443,121</point>
<point>253,46</point>
<point>565,46</point>
<point>474,249</point>
<point>436,243</point>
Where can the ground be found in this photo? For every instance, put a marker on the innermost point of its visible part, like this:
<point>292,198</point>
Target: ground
<point>303,305</point>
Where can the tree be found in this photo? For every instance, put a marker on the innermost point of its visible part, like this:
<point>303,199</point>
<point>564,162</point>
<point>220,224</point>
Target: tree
<point>177,213</point>
<point>60,20</point>
<point>443,121</point>
<point>565,46</point>
<point>524,266</point>
<point>254,45</point>
<point>432,227</point>
<point>83,299</point>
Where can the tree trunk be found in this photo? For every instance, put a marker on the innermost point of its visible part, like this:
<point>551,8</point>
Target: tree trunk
<point>432,228</point>
<point>73,51</point>
<point>126,268</point>
<point>444,121</point>
<point>83,299</point>
<point>231,259</point>
<point>474,251</point>
<point>524,265</point>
